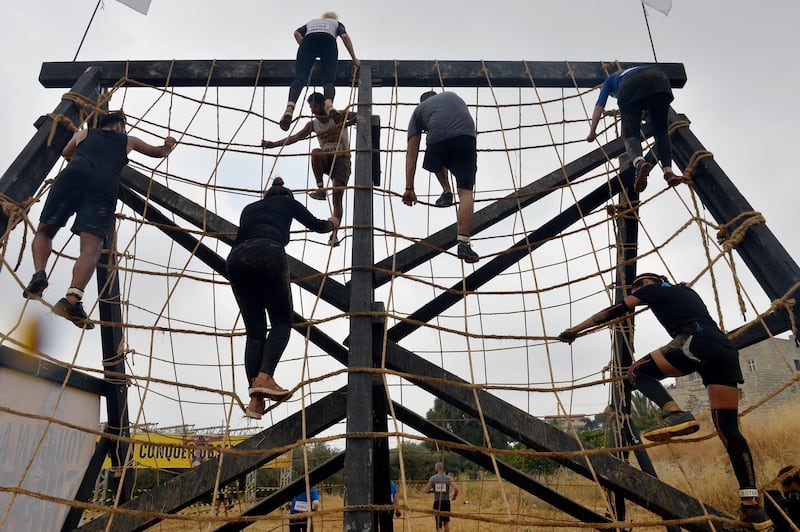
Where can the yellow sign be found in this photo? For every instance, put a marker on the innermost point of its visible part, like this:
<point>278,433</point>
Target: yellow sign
<point>184,451</point>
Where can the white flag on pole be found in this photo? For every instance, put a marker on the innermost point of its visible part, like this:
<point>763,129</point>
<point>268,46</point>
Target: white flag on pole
<point>137,5</point>
<point>659,5</point>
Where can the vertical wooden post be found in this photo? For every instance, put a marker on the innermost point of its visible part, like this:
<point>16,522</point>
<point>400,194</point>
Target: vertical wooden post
<point>359,479</point>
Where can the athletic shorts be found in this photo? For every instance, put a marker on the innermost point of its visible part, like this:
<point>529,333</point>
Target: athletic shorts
<point>70,195</point>
<point>457,154</point>
<point>712,356</point>
<point>341,167</point>
<point>442,506</point>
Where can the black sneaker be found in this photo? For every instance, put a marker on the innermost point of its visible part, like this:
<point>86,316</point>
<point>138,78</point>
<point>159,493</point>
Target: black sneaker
<point>37,285</point>
<point>445,200</point>
<point>755,516</point>
<point>73,312</point>
<point>676,423</point>
<point>466,253</point>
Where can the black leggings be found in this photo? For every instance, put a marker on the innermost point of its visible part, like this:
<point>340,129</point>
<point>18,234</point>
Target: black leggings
<point>312,46</point>
<point>259,275</point>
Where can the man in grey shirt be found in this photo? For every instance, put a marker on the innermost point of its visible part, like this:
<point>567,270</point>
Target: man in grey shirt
<point>450,146</point>
<point>441,485</point>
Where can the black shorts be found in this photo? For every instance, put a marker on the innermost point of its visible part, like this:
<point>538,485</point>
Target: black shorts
<point>712,356</point>
<point>442,506</point>
<point>70,195</point>
<point>457,154</point>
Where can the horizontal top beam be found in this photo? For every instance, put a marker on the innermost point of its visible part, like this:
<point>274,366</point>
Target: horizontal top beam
<point>280,73</point>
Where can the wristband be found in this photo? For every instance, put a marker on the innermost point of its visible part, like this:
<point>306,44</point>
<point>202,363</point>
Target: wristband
<point>409,188</point>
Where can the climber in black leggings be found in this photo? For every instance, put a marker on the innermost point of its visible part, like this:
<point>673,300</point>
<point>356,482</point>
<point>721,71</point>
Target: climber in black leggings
<point>259,275</point>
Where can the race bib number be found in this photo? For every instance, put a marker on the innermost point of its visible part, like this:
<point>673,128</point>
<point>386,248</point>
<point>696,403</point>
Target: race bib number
<point>300,506</point>
<point>440,487</point>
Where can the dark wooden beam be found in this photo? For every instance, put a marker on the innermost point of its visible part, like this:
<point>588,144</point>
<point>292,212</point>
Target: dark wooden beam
<point>508,473</point>
<point>639,487</point>
<point>27,172</point>
<point>426,249</point>
<point>285,494</point>
<point>359,478</point>
<point>388,73</point>
<point>181,491</point>
<point>53,372</point>
<point>766,258</point>
<point>211,259</point>
<point>522,248</point>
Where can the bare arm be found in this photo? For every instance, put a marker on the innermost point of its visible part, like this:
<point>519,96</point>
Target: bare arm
<point>607,314</point>
<point>349,45</point>
<point>69,150</point>
<point>304,133</point>
<point>137,144</point>
<point>412,153</point>
<point>298,37</point>
<point>428,487</point>
<point>454,487</point>
<point>596,114</point>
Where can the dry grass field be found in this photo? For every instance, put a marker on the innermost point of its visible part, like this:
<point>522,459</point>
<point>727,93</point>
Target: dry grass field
<point>699,467</point>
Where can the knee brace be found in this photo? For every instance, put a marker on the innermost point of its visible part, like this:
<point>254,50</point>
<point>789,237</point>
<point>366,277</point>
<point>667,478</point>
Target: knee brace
<point>645,367</point>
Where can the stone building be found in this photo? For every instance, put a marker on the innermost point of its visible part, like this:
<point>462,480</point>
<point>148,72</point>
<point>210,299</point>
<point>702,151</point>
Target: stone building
<point>766,367</point>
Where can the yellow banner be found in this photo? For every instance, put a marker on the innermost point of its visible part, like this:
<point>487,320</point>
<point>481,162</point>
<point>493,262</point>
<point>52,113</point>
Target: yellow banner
<point>184,451</point>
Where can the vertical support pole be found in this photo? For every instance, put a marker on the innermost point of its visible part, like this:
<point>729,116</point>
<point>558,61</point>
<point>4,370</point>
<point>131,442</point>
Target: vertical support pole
<point>37,158</point>
<point>110,308</point>
<point>627,222</point>
<point>380,409</point>
<point>359,480</point>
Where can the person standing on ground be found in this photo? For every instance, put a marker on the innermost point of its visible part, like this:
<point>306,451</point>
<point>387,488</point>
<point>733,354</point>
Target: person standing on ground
<point>88,187</point>
<point>258,271</point>
<point>317,38</point>
<point>440,485</point>
<point>638,89</point>
<point>299,511</point>
<point>697,345</point>
<point>451,145</point>
<point>332,157</point>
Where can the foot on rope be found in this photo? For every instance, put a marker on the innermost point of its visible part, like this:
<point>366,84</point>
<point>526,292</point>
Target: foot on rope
<point>286,118</point>
<point>265,385</point>
<point>672,179</point>
<point>73,312</point>
<point>318,194</point>
<point>675,423</point>
<point>37,285</point>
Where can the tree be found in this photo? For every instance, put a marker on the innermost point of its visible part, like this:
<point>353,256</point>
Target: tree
<point>466,427</point>
<point>642,413</point>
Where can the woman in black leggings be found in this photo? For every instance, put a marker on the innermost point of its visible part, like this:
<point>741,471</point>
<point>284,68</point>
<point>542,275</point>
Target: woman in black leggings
<point>259,275</point>
<point>317,38</point>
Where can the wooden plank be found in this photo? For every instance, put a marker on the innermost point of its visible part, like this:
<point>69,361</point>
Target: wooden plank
<point>426,249</point>
<point>637,486</point>
<point>181,491</point>
<point>388,73</point>
<point>51,371</point>
<point>333,292</point>
<point>500,262</point>
<point>508,473</point>
<point>766,258</point>
<point>359,478</point>
<point>286,494</point>
<point>27,172</point>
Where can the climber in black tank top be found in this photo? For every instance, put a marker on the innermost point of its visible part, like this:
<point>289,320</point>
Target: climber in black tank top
<point>87,187</point>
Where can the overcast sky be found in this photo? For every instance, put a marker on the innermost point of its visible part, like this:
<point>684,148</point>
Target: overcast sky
<point>740,60</point>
